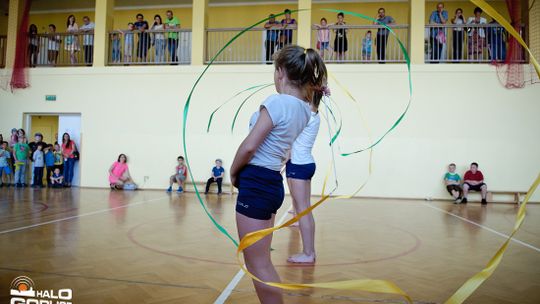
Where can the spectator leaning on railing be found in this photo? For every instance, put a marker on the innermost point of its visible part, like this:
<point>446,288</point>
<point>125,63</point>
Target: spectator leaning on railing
<point>496,39</point>
<point>477,35</point>
<point>382,34</point>
<point>172,23</point>
<point>272,36</point>
<point>71,43</point>
<point>158,39</point>
<point>457,37</point>
<point>53,45</point>
<point>144,39</point>
<point>437,34</point>
<point>286,34</point>
<point>88,40</point>
<point>340,40</point>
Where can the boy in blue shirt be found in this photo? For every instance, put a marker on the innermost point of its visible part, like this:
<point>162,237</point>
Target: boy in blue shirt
<point>217,176</point>
<point>453,183</point>
<point>4,163</point>
<point>49,163</point>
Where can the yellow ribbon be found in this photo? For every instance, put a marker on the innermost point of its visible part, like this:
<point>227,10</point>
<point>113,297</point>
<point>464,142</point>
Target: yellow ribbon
<point>476,280</point>
<point>468,288</point>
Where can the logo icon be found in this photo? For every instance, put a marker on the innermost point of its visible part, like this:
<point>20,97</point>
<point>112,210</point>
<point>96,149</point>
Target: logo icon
<point>23,286</point>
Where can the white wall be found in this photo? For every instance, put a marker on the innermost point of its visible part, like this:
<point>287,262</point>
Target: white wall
<point>460,113</point>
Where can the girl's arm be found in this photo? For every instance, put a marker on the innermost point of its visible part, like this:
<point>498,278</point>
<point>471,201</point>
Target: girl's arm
<point>249,146</point>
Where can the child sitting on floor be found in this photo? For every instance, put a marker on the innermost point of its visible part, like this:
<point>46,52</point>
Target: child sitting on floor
<point>57,179</point>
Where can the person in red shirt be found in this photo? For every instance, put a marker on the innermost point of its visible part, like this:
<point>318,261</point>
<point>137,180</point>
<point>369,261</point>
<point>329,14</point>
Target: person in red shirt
<point>474,181</point>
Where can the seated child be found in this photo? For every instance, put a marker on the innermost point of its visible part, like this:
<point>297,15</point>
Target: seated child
<point>217,176</point>
<point>57,179</point>
<point>179,176</point>
<point>453,183</point>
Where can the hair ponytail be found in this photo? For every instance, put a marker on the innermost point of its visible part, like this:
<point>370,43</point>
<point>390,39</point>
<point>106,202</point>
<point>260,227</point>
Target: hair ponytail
<point>305,69</point>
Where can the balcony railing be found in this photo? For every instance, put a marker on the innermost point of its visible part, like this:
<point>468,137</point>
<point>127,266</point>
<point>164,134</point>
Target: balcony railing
<point>3,44</point>
<point>255,46</point>
<point>469,43</point>
<point>152,47</point>
<point>61,49</point>
<point>360,43</point>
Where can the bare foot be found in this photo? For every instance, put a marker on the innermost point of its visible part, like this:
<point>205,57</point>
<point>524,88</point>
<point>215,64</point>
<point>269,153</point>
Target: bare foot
<point>302,258</point>
<point>295,224</point>
<point>291,211</point>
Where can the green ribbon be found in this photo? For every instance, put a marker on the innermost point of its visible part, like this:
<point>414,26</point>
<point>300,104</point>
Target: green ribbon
<point>260,87</point>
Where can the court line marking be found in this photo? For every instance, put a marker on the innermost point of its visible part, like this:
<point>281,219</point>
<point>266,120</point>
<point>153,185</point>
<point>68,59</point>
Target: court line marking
<point>80,215</point>
<point>240,274</point>
<point>485,227</point>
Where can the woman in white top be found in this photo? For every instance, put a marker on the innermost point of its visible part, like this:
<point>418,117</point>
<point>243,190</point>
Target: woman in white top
<point>256,167</point>
<point>457,39</point>
<point>159,38</point>
<point>477,35</point>
<point>71,43</point>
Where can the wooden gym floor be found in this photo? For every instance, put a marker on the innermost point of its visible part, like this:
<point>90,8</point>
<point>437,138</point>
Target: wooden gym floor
<point>151,247</point>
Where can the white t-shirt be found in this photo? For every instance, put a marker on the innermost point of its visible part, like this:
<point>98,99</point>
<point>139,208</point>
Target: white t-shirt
<point>290,116</point>
<point>480,30</point>
<point>301,149</point>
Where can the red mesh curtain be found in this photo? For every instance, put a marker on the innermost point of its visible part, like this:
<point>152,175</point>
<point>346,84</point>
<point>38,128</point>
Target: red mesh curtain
<point>511,72</point>
<point>19,77</point>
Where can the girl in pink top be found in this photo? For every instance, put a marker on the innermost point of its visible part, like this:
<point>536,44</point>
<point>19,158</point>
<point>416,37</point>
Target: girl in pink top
<point>323,38</point>
<point>119,173</point>
<point>68,148</point>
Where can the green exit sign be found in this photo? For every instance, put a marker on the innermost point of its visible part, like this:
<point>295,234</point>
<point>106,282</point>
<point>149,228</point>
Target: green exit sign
<point>50,97</point>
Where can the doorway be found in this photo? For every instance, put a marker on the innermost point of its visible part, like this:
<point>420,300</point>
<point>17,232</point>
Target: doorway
<point>53,126</point>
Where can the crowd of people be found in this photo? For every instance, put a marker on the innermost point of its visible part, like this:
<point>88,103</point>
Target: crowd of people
<point>491,36</point>
<point>53,163</point>
<point>162,35</point>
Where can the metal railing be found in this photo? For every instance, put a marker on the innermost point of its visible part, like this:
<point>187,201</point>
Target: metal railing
<point>3,47</point>
<point>352,44</point>
<point>469,43</point>
<point>255,46</point>
<point>60,49</point>
<point>152,47</point>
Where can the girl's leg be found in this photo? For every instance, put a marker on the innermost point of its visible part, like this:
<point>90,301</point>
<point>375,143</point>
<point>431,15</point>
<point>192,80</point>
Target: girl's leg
<point>258,259</point>
<point>172,180</point>
<point>301,193</point>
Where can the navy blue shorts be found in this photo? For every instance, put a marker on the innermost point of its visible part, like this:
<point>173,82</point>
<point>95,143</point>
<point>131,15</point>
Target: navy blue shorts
<point>304,172</point>
<point>260,192</point>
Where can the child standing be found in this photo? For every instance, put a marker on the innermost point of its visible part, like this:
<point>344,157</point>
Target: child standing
<point>179,176</point>
<point>21,152</point>
<point>58,158</point>
<point>323,38</point>
<point>366,46</point>
<point>453,183</point>
<point>39,164</point>
<point>128,43</point>
<point>217,176</point>
<point>49,163</point>
<point>4,164</point>
<point>116,42</point>
<point>259,159</point>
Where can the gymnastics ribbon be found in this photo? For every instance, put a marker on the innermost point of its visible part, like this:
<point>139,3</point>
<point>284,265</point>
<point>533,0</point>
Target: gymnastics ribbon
<point>368,285</point>
<point>470,286</point>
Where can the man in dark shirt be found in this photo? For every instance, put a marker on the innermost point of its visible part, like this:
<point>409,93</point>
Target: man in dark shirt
<point>382,33</point>
<point>272,36</point>
<point>144,38</point>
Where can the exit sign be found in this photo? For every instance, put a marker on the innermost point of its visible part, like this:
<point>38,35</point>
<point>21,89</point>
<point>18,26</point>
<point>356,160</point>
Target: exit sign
<point>50,97</point>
